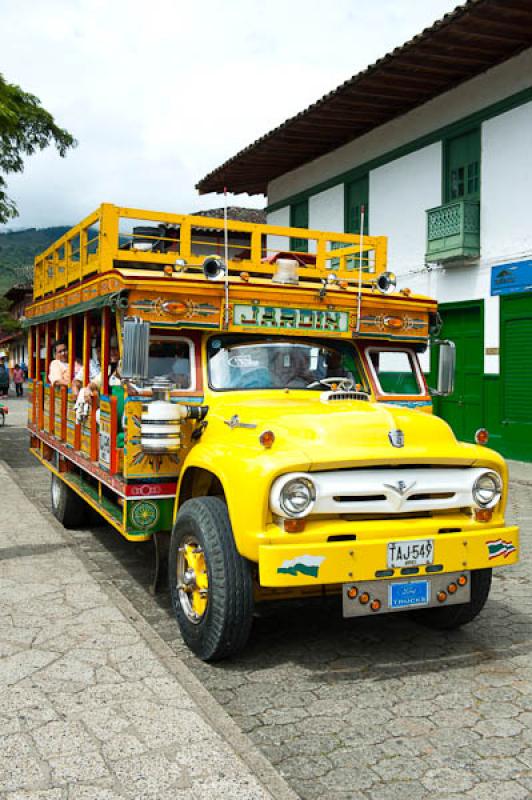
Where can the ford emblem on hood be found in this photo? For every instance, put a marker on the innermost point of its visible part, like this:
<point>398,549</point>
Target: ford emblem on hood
<point>397,438</point>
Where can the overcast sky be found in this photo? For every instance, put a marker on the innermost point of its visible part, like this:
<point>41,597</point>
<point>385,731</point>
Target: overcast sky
<point>159,94</point>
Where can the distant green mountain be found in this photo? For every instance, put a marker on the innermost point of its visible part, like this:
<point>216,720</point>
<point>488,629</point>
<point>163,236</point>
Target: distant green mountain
<point>19,248</point>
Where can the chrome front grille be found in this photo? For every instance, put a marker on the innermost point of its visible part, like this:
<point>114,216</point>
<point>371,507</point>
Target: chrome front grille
<point>393,491</point>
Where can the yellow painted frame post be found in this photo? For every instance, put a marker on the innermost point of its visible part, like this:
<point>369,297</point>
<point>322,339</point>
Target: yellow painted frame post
<point>71,353</point>
<point>105,349</point>
<point>109,230</point>
<point>31,367</point>
<point>86,347</point>
<point>47,345</point>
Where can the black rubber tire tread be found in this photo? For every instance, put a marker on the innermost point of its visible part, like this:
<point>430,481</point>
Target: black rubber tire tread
<point>71,510</point>
<point>450,617</point>
<point>226,625</point>
<point>2,418</point>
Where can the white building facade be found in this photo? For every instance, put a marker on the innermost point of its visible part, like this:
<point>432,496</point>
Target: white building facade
<point>400,171</point>
<point>443,168</point>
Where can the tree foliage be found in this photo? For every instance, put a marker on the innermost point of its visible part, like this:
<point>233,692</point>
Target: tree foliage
<point>8,324</point>
<point>25,127</point>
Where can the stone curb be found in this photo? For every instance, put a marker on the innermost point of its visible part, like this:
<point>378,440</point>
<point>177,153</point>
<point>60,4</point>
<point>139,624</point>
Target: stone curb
<point>210,710</point>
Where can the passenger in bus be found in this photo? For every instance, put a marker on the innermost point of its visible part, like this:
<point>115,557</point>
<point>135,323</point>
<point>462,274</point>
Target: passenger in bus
<point>59,372</point>
<point>77,380</point>
<point>90,395</point>
<point>290,368</point>
<point>114,366</point>
<point>95,363</point>
<point>180,372</point>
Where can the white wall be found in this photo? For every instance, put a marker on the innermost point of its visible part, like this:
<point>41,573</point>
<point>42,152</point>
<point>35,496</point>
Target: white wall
<point>401,191</point>
<point>326,210</point>
<point>474,95</point>
<point>399,195</point>
<point>280,217</point>
<point>506,185</point>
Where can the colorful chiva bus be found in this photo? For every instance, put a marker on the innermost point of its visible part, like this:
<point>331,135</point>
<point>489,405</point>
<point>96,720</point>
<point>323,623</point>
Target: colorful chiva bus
<point>251,399</point>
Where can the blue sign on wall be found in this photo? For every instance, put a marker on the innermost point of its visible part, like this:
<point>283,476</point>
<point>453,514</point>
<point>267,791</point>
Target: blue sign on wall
<point>512,278</point>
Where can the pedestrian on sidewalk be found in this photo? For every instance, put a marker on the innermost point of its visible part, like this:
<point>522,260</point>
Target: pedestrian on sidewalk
<point>4,378</point>
<point>18,380</point>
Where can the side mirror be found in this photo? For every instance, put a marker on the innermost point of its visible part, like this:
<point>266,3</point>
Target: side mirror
<point>136,346</point>
<point>446,367</point>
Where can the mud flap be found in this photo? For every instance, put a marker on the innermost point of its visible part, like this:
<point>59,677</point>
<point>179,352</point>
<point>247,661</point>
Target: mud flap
<point>161,546</point>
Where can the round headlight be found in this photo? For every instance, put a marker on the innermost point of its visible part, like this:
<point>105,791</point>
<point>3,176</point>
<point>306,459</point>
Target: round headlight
<point>487,489</point>
<point>297,496</point>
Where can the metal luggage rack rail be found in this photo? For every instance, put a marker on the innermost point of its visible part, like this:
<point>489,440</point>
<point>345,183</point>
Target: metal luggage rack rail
<point>114,237</point>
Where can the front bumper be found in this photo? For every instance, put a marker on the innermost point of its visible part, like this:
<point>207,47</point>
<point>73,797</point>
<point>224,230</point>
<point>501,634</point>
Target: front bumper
<point>300,564</point>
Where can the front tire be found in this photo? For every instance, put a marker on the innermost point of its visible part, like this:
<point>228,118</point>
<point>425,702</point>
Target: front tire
<point>67,506</point>
<point>210,582</point>
<point>447,618</point>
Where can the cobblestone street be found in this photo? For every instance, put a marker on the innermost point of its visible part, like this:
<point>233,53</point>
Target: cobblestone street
<point>363,709</point>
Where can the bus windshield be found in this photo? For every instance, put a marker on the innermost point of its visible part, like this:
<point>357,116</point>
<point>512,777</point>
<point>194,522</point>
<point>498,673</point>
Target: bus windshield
<point>238,362</point>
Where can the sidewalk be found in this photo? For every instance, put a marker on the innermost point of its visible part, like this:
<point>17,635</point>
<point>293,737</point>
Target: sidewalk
<point>520,472</point>
<point>93,704</point>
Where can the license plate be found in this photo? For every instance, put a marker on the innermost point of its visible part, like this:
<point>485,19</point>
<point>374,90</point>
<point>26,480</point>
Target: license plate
<point>409,594</point>
<point>410,553</point>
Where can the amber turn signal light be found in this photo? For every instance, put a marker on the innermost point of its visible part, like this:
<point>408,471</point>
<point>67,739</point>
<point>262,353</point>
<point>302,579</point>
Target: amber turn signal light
<point>442,596</point>
<point>294,525</point>
<point>483,514</point>
<point>168,270</point>
<point>364,598</point>
<point>482,436</point>
<point>452,588</point>
<point>462,580</point>
<point>352,592</point>
<point>375,605</point>
<point>267,439</point>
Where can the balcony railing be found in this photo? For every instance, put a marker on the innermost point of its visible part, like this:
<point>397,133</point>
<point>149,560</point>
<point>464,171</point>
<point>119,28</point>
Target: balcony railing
<point>453,231</point>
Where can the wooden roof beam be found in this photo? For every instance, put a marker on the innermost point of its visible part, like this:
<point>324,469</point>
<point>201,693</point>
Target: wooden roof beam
<point>459,60</point>
<point>424,65</point>
<point>484,19</point>
<point>404,75</point>
<point>476,35</point>
<point>339,118</point>
<point>511,33</point>
<point>454,43</point>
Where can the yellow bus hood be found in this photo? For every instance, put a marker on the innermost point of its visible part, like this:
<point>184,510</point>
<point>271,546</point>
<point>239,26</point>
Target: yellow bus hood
<point>340,433</point>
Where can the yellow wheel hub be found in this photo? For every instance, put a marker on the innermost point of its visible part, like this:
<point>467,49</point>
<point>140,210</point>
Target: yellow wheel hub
<point>192,580</point>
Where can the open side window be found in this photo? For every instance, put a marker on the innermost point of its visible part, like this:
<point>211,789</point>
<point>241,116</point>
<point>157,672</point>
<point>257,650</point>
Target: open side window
<point>396,371</point>
<point>172,358</point>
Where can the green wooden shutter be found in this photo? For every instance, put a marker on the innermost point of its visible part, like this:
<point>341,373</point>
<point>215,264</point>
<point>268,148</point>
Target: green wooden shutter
<point>356,196</point>
<point>462,167</point>
<point>299,219</point>
<point>516,376</point>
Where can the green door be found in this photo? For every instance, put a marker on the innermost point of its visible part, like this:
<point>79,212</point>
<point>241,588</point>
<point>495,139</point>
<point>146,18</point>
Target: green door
<point>516,376</point>
<point>462,167</point>
<point>463,409</point>
<point>299,219</point>
<point>356,196</point>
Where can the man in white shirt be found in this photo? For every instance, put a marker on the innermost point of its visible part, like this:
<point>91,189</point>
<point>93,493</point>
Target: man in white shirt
<point>59,372</point>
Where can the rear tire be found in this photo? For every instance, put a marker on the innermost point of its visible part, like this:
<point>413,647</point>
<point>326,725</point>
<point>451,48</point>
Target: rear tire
<point>2,418</point>
<point>449,617</point>
<point>67,506</point>
<point>210,582</point>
